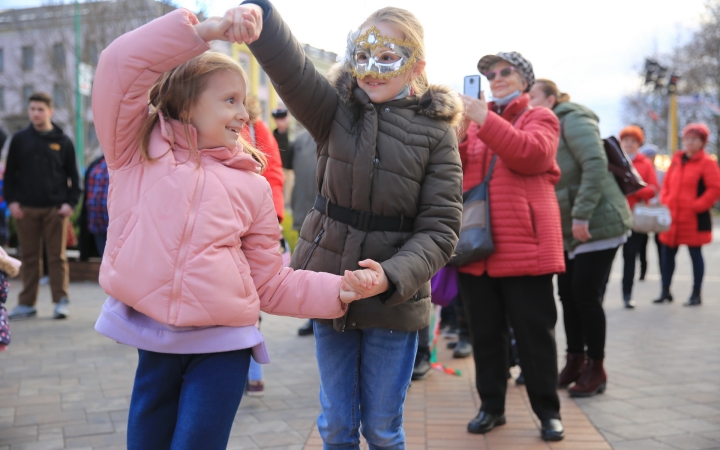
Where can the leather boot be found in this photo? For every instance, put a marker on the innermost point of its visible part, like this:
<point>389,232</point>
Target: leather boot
<point>665,296</point>
<point>592,381</point>
<point>694,299</point>
<point>574,365</point>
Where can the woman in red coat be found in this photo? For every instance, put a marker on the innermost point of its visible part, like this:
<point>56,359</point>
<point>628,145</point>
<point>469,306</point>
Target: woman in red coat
<point>515,282</point>
<point>631,138</point>
<point>690,188</point>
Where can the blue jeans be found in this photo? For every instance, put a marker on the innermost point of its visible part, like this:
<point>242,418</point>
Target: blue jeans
<point>668,266</point>
<point>256,371</point>
<point>364,378</point>
<point>185,401</point>
<point>100,240</point>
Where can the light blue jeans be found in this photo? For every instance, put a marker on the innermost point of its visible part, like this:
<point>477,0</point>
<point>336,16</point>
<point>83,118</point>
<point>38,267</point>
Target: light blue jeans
<point>256,371</point>
<point>364,378</point>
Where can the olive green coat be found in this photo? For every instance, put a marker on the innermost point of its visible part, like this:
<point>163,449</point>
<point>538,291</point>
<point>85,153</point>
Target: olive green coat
<point>587,190</point>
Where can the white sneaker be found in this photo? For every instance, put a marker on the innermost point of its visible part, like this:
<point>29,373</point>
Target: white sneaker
<point>44,280</point>
<point>22,312</point>
<point>62,309</point>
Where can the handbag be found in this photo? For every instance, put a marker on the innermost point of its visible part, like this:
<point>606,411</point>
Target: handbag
<point>619,164</point>
<point>444,286</point>
<point>651,218</point>
<point>475,241</point>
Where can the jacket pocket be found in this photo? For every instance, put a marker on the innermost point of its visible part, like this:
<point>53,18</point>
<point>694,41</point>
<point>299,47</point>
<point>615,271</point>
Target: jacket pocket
<point>314,245</point>
<point>245,279</point>
<point>127,230</point>
<point>704,221</point>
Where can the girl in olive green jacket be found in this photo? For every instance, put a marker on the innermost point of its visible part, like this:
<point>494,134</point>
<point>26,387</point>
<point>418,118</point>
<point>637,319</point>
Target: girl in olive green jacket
<point>595,220</point>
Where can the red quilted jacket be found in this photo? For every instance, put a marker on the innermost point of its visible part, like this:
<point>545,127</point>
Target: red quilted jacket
<point>647,171</point>
<point>524,212</point>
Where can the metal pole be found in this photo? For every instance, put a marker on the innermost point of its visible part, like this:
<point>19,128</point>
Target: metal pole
<point>79,122</point>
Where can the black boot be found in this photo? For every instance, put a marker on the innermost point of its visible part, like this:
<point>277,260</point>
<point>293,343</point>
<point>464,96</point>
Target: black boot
<point>307,329</point>
<point>694,299</point>
<point>665,296</point>
<point>484,422</point>
<point>421,369</point>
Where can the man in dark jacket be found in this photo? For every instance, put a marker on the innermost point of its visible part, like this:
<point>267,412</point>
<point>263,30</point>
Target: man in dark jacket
<point>42,189</point>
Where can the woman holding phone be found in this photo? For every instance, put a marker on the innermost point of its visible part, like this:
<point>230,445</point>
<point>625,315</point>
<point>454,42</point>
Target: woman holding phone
<point>516,280</point>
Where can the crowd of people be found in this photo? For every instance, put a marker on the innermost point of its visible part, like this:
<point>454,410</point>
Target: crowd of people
<point>379,164</point>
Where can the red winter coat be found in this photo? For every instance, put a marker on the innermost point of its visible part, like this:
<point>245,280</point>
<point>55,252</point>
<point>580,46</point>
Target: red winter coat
<point>266,143</point>
<point>647,171</point>
<point>524,212</point>
<point>690,188</point>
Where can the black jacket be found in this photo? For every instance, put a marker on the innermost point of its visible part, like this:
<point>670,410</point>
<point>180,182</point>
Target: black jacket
<point>86,241</point>
<point>41,170</point>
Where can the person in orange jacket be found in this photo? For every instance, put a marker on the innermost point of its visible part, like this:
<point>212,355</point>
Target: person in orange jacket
<point>690,188</point>
<point>631,138</point>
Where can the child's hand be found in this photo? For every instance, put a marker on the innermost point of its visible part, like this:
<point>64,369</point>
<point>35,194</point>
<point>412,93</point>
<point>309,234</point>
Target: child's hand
<point>215,28</point>
<point>348,296</point>
<point>368,282</point>
<point>246,23</point>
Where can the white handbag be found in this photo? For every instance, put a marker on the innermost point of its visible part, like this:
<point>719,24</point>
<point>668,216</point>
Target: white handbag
<point>651,218</point>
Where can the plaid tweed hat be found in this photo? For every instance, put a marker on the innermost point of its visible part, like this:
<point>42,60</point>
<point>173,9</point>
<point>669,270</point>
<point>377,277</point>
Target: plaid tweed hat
<point>516,59</point>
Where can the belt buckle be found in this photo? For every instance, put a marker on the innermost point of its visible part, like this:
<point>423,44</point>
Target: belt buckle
<point>365,221</point>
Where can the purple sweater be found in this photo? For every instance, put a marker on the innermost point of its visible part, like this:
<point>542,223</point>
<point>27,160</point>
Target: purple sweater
<point>127,326</point>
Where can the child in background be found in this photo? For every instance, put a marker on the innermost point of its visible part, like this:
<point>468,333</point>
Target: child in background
<point>9,268</point>
<point>389,179</point>
<point>192,247</point>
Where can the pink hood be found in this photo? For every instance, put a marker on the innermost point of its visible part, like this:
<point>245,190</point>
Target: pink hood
<point>189,243</point>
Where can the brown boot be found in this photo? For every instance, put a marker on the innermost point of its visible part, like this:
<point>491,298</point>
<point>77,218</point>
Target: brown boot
<point>574,365</point>
<point>592,381</point>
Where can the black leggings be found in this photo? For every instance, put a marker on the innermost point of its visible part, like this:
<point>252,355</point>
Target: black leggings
<point>528,304</point>
<point>580,289</point>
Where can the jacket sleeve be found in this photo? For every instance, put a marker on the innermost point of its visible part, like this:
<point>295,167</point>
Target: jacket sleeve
<point>71,170</point>
<point>127,70</point>
<point>711,178</point>
<point>647,172</point>
<point>273,172</point>
<point>527,151</point>
<point>307,94</point>
<point>282,291</point>
<point>12,166</point>
<point>437,225</point>
<point>582,138</point>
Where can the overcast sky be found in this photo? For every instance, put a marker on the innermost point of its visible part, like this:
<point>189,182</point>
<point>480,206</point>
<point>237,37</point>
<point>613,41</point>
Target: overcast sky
<point>592,49</point>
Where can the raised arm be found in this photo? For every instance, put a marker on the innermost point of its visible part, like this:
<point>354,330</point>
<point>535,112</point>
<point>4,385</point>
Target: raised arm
<point>437,225</point>
<point>306,93</point>
<point>127,70</point>
<point>282,291</point>
<point>528,151</point>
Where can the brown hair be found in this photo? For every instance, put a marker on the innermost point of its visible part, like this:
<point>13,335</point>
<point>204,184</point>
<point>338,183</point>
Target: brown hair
<point>406,23</point>
<point>177,91</point>
<point>41,97</point>
<point>550,88</point>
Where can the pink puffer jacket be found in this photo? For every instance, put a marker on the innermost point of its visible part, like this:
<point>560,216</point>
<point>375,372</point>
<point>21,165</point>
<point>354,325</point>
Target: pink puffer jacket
<point>188,244</point>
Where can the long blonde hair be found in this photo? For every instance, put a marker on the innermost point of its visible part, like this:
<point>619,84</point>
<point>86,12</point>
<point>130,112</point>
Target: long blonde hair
<point>406,23</point>
<point>550,88</point>
<point>177,90</point>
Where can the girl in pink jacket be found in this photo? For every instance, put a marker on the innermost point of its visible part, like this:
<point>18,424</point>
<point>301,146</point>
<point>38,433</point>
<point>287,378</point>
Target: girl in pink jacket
<point>192,247</point>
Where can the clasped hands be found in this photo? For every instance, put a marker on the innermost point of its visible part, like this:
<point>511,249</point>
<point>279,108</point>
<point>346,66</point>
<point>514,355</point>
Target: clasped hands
<point>363,283</point>
<point>241,24</point>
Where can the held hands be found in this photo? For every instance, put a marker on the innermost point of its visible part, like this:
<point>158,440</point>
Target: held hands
<point>365,282</point>
<point>241,24</point>
<point>476,110</point>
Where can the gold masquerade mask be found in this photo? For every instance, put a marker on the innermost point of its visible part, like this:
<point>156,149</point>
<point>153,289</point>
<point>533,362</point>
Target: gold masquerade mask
<point>380,56</point>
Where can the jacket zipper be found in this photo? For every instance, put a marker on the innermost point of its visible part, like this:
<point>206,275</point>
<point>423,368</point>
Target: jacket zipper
<point>184,244</point>
<point>312,249</point>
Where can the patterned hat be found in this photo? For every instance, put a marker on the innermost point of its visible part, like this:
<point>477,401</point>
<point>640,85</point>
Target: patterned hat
<point>516,59</point>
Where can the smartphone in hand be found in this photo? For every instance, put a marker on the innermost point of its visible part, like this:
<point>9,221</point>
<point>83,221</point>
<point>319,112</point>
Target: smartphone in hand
<point>472,86</point>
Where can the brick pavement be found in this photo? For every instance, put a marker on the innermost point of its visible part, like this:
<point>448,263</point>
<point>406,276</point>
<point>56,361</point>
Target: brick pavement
<point>64,386</point>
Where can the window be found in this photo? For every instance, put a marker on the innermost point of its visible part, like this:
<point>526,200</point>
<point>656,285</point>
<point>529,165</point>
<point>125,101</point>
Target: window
<point>28,58</point>
<point>59,96</point>
<point>2,98</point>
<point>59,55</point>
<point>2,60</point>
<point>27,92</point>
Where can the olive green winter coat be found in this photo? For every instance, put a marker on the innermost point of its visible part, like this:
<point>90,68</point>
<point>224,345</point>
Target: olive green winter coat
<point>397,159</point>
<point>587,190</point>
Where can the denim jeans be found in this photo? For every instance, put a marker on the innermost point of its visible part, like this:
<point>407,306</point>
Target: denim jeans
<point>364,378</point>
<point>668,266</point>
<point>256,371</point>
<point>100,241</point>
<point>185,401</point>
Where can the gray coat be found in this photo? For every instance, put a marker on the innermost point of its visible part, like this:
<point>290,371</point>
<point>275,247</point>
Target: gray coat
<point>304,163</point>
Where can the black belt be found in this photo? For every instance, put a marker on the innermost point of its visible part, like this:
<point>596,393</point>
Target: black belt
<point>362,220</point>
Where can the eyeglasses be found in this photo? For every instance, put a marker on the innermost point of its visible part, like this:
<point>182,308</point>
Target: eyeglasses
<point>504,72</point>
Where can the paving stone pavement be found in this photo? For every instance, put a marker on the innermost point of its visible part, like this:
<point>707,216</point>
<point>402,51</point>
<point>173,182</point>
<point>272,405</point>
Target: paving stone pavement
<point>64,386</point>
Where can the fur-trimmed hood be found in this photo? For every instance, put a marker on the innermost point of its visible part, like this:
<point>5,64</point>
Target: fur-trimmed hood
<point>438,102</point>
